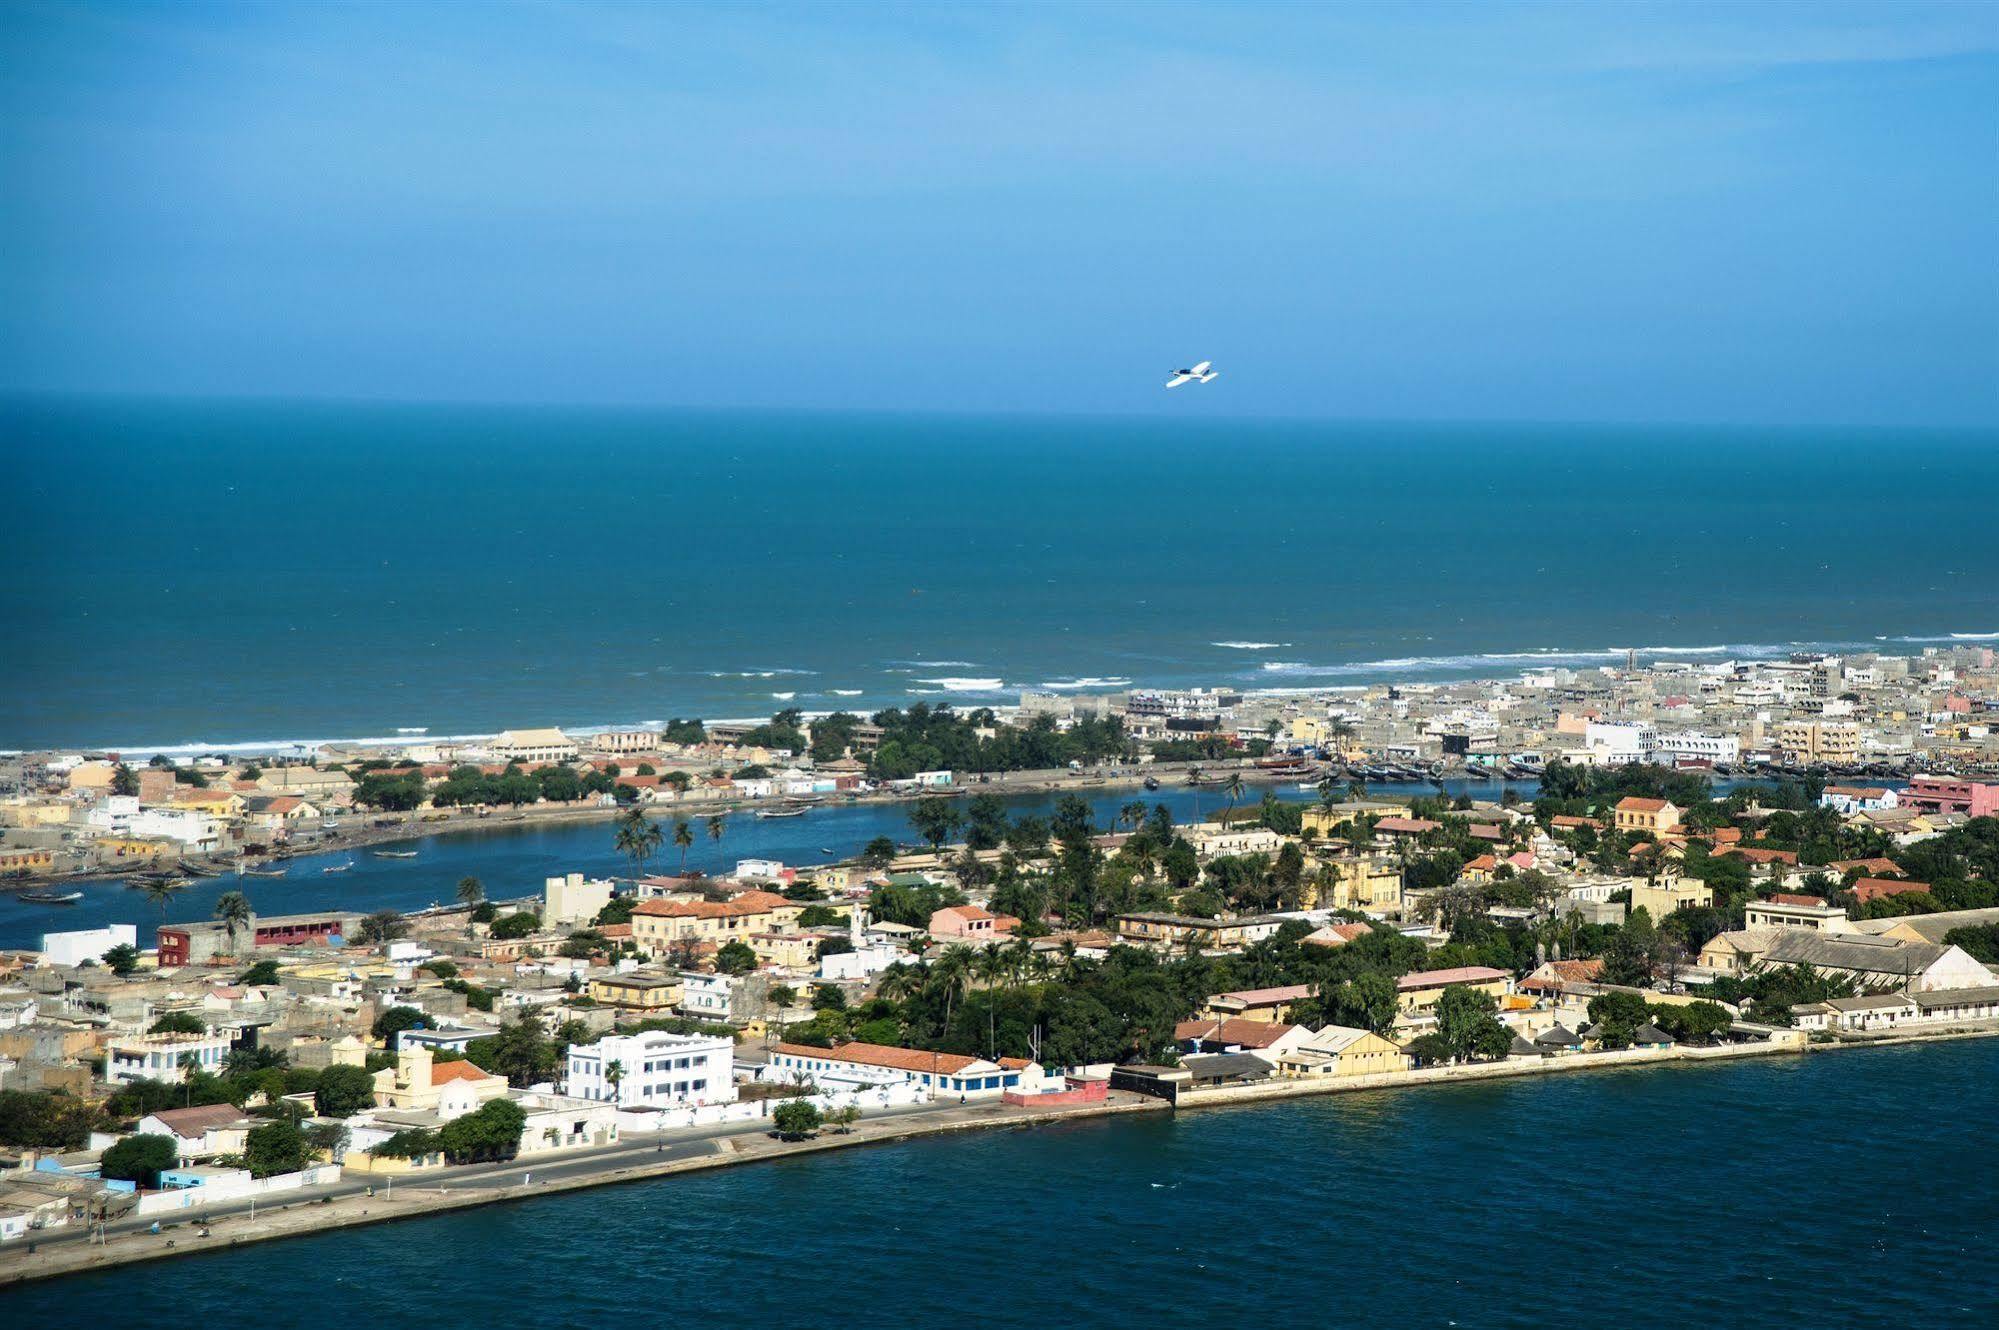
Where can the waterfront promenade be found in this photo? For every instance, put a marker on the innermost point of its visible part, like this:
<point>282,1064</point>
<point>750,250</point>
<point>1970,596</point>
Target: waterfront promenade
<point>363,1200</point>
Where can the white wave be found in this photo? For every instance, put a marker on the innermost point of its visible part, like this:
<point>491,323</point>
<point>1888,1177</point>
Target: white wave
<point>1285,666</point>
<point>844,692</point>
<point>1944,637</point>
<point>939,664</point>
<point>1250,646</point>
<point>955,684</point>
<point>784,697</point>
<point>755,674</point>
<point>1067,685</point>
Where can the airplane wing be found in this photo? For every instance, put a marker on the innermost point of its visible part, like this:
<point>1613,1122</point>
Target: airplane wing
<point>1201,368</point>
<point>1179,377</point>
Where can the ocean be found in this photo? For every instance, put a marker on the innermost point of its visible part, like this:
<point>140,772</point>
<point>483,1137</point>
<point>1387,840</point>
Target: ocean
<point>1850,1189</point>
<point>207,573</point>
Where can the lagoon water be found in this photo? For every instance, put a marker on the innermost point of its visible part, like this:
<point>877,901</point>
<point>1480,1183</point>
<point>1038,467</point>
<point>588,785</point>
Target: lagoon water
<point>1855,1189</point>
<point>204,573</point>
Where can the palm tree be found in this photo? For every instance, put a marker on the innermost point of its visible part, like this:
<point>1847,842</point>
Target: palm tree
<point>160,890</point>
<point>683,836</point>
<point>899,982</point>
<point>470,892</point>
<point>233,909</point>
<point>639,837</point>
<point>1194,784</point>
<point>613,1074</point>
<point>1328,794</point>
<point>1132,814</point>
<point>1356,788</point>
<point>715,828</point>
<point>950,970</point>
<point>1233,789</point>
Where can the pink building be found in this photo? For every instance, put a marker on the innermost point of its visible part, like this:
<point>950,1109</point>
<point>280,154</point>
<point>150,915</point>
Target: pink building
<point>971,923</point>
<point>1945,794</point>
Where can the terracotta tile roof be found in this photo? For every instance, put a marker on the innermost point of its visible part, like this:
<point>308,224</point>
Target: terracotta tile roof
<point>1792,898</point>
<point>443,1073</point>
<point>897,1059</point>
<point>1632,803</point>
<point>1409,825</point>
<point>1462,974</point>
<point>1235,1030</point>
<point>739,907</point>
<point>1257,997</point>
<point>1874,888</point>
<point>1871,867</point>
<point>1759,856</point>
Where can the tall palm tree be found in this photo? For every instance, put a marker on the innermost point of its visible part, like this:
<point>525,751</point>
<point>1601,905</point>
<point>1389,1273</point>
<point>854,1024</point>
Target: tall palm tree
<point>160,890</point>
<point>1132,814</point>
<point>715,828</point>
<point>950,970</point>
<point>683,836</point>
<point>1328,793</point>
<point>899,982</point>
<point>1233,789</point>
<point>638,836</point>
<point>1356,788</point>
<point>233,909</point>
<point>613,1074</point>
<point>1194,784</point>
<point>470,892</point>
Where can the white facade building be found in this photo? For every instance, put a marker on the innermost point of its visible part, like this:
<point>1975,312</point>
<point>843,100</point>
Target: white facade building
<point>654,1070</point>
<point>1615,744</point>
<point>87,944</point>
<point>1693,746</point>
<point>573,899</point>
<point>163,1057</point>
<point>198,830</point>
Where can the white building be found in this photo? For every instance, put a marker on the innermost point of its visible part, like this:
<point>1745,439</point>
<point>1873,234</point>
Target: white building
<point>114,814</point>
<point>534,747</point>
<point>944,1074</point>
<point>573,899</point>
<point>706,997</point>
<point>197,830</point>
<point>752,869</point>
<point>163,1057</point>
<point>1694,746</point>
<point>86,944</point>
<point>1615,744</point>
<point>654,1070</point>
<point>1858,798</point>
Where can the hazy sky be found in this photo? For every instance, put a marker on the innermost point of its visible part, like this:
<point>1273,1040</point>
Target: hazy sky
<point>1749,212</point>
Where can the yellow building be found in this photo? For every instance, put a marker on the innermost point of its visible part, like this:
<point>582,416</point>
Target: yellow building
<point>38,813</point>
<point>1654,817</point>
<point>794,951</point>
<point>1663,898</point>
<point>658,924</point>
<point>136,847</point>
<point>1340,1050</point>
<point>1325,821</point>
<point>418,1083</point>
<point>15,860</point>
<point>1354,882</point>
<point>636,992</point>
<point>1420,991</point>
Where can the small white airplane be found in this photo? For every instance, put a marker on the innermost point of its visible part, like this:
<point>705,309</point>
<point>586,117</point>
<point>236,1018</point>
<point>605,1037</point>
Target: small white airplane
<point>1199,374</point>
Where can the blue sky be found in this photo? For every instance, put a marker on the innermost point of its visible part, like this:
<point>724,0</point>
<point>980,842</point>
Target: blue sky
<point>1746,212</point>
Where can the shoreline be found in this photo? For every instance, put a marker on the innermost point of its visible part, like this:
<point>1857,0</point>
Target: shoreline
<point>307,1216</point>
<point>418,825</point>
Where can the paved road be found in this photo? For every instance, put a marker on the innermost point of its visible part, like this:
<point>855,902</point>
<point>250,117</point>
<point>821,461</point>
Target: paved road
<point>661,1147</point>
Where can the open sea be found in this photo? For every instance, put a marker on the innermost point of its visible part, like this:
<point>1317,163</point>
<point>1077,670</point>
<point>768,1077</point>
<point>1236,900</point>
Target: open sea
<point>1856,1189</point>
<point>196,574</point>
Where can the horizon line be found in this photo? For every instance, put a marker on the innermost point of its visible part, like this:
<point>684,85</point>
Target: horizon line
<point>21,394</point>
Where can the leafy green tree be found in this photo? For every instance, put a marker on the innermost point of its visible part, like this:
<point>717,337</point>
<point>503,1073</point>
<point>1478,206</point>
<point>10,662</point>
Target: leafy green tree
<point>260,975</point>
<point>1469,1025</point>
<point>343,1091</point>
<point>179,1022</point>
<point>123,958</point>
<point>397,1019</point>
<point>520,924</point>
<point>381,926</point>
<point>276,1147</point>
<point>139,1158</point>
<point>1617,1016</point>
<point>795,1119</point>
<point>518,1051</point>
<point>935,819</point>
<point>735,957</point>
<point>124,781</point>
<point>879,853</point>
<point>491,1132</point>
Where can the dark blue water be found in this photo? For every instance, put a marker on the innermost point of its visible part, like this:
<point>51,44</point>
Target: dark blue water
<point>202,573</point>
<point>513,861</point>
<point>1840,1190</point>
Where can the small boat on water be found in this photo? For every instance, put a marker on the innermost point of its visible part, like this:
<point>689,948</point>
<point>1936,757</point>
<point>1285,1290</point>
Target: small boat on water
<point>51,897</point>
<point>337,868</point>
<point>264,872</point>
<point>780,812</point>
<point>395,854</point>
<point>1152,782</point>
<point>200,869</point>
